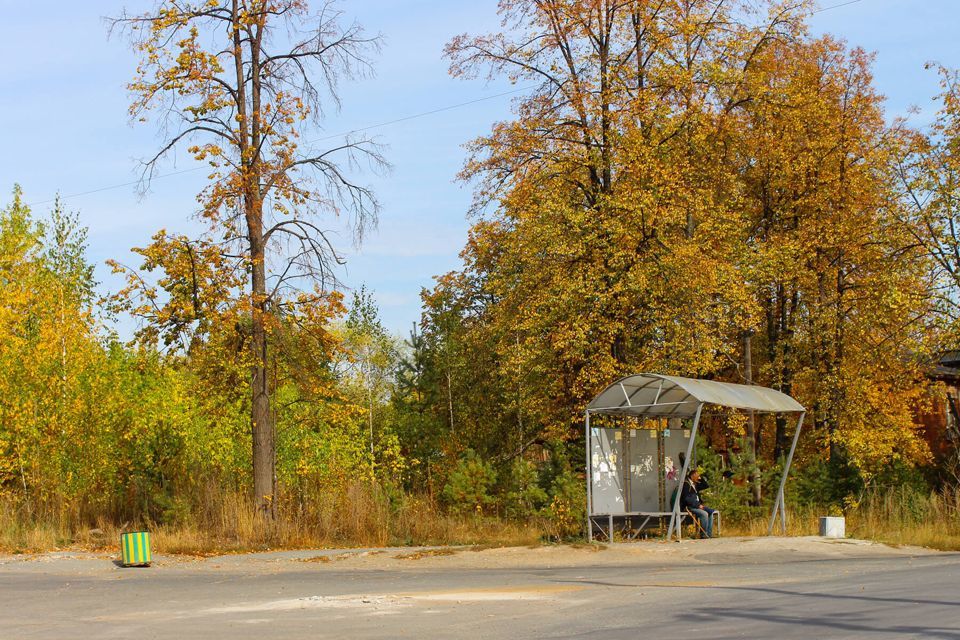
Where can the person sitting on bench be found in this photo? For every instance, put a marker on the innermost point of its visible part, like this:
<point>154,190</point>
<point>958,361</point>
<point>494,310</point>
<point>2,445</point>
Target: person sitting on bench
<point>690,500</point>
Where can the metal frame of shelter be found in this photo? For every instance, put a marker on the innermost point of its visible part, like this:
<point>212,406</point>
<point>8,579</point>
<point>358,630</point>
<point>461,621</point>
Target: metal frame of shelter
<point>654,395</point>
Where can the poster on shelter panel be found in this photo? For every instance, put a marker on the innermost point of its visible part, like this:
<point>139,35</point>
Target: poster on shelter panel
<point>631,462</point>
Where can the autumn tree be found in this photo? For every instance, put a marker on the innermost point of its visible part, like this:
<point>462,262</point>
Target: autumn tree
<point>606,245</point>
<point>55,433</point>
<point>841,283</point>
<point>682,174</point>
<point>371,358</point>
<point>236,82</point>
<point>928,167</point>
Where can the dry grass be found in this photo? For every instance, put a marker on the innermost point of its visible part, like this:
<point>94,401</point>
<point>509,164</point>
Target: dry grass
<point>426,553</point>
<point>318,559</point>
<point>906,517</point>
<point>359,516</point>
<point>362,516</point>
<point>799,523</point>
<point>900,516</point>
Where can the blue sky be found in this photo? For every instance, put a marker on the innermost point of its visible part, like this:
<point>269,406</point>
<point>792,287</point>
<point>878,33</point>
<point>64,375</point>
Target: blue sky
<point>63,103</point>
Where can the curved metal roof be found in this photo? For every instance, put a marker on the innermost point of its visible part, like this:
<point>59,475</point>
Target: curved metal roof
<point>652,394</point>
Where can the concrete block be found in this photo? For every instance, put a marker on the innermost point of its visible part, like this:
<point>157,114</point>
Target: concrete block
<point>831,527</point>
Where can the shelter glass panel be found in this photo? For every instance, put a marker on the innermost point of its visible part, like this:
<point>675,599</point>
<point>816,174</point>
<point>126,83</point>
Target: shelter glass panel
<point>605,461</point>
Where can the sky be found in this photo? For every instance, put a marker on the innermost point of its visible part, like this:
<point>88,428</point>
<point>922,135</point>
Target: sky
<point>63,104</point>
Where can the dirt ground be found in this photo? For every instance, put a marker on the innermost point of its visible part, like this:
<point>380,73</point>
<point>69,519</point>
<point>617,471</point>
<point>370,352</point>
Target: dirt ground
<point>467,557</point>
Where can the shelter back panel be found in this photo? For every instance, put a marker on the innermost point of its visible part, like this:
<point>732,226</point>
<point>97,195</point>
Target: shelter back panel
<point>635,462</point>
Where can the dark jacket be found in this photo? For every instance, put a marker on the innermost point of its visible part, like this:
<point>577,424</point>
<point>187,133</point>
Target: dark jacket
<point>689,496</point>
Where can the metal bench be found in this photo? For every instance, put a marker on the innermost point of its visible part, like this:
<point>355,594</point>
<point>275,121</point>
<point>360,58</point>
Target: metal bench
<point>603,523</point>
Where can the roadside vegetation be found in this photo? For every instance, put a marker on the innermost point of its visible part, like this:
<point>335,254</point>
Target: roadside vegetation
<point>681,184</point>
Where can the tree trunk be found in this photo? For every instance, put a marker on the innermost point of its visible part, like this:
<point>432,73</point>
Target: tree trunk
<point>262,418</point>
<point>262,423</point>
<point>751,419</point>
<point>369,377</point>
<point>450,397</point>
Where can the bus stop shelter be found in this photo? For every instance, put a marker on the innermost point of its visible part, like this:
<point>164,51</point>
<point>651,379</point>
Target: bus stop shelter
<point>630,474</point>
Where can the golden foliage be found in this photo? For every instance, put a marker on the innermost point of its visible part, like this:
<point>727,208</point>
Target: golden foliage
<point>685,173</point>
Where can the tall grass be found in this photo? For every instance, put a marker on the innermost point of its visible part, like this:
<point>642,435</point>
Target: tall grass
<point>366,515</point>
<point>898,515</point>
<point>909,517</point>
<point>359,515</point>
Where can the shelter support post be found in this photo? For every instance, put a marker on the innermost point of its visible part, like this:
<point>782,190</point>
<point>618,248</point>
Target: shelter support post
<point>675,514</point>
<point>589,469</point>
<point>779,504</point>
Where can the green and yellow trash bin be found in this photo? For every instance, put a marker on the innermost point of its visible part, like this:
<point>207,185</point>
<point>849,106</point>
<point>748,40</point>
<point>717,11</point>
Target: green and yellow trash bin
<point>135,547</point>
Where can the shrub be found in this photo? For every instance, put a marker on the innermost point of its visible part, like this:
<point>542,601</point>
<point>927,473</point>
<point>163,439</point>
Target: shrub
<point>468,486</point>
<point>522,494</point>
<point>824,483</point>
<point>729,489</point>
<point>566,512</point>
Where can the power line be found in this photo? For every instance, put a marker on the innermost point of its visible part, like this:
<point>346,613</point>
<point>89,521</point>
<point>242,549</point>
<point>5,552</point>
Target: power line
<point>113,186</point>
<point>421,115</point>
<point>386,123</point>
<point>837,6</point>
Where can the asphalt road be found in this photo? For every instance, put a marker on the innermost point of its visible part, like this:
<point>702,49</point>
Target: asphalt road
<point>697,589</point>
